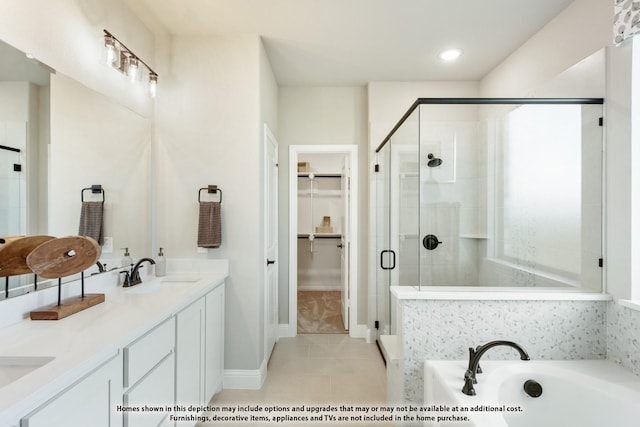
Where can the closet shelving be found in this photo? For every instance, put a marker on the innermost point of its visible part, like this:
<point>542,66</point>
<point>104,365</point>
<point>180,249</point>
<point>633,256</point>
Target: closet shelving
<point>313,192</point>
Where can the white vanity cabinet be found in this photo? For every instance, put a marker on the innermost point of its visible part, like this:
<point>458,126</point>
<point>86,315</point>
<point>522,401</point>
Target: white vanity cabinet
<point>91,401</point>
<point>200,349</point>
<point>178,360</point>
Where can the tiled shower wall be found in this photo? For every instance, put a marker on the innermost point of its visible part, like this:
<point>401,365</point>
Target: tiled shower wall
<point>445,329</point>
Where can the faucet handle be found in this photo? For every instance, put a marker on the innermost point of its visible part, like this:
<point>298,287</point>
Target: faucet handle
<point>469,380</point>
<point>126,282</point>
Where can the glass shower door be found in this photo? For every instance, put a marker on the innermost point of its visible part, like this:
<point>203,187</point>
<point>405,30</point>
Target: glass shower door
<point>10,192</point>
<point>398,219</point>
<point>385,258</point>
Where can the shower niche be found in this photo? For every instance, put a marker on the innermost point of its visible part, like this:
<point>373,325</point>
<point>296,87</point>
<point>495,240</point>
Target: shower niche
<point>486,192</point>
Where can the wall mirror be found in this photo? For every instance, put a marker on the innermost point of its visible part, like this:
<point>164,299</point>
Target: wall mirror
<point>67,137</point>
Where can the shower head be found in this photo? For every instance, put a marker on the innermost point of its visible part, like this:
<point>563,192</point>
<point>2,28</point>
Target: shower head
<point>433,161</point>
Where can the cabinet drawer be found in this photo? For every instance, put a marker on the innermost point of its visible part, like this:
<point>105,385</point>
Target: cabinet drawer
<point>153,396</point>
<point>145,352</point>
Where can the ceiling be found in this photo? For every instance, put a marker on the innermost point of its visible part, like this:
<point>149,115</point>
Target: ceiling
<point>15,67</point>
<point>352,42</point>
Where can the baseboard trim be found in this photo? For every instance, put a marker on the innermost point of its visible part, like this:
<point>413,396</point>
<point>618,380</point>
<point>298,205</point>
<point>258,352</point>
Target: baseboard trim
<point>360,331</point>
<point>284,331</point>
<point>245,379</point>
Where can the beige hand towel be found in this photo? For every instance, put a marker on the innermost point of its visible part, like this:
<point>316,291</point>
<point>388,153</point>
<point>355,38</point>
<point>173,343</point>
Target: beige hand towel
<point>91,221</point>
<point>209,225</point>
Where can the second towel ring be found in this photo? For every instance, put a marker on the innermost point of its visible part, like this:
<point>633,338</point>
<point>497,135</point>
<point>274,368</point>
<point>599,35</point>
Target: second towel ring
<point>211,189</point>
<point>95,189</point>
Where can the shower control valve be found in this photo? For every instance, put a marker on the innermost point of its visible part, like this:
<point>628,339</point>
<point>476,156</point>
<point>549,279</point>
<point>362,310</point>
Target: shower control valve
<point>430,242</point>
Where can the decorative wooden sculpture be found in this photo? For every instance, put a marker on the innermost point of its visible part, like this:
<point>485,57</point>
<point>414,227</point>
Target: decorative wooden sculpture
<point>62,257</point>
<point>14,252</point>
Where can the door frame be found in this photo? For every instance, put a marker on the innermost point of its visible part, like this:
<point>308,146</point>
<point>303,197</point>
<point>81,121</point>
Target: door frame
<point>351,151</point>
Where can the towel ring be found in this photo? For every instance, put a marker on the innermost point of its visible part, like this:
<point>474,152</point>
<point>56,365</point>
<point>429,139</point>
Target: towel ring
<point>211,189</point>
<point>95,189</point>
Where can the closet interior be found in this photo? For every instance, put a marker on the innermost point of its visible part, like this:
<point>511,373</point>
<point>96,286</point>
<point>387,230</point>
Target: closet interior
<point>323,191</point>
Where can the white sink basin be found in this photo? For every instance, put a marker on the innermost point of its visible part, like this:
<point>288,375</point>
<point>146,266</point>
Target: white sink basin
<point>161,283</point>
<point>188,278</point>
<point>16,367</point>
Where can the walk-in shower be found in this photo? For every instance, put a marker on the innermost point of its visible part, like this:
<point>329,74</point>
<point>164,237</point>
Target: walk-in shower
<point>490,193</point>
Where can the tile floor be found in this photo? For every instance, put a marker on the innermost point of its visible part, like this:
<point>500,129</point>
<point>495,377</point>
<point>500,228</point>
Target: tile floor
<point>316,369</point>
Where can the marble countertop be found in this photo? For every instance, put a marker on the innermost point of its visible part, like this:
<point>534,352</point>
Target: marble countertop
<point>81,342</point>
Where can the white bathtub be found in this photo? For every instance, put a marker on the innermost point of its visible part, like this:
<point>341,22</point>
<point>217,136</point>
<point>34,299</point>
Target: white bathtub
<point>585,393</point>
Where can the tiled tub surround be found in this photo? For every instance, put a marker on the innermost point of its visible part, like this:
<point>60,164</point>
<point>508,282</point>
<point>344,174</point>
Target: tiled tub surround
<point>623,330</point>
<point>444,324</point>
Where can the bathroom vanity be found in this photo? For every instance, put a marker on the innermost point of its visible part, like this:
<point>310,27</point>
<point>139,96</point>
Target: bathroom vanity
<point>125,362</point>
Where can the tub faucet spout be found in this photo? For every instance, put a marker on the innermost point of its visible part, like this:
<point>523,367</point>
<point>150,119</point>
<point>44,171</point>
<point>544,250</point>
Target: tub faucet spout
<point>474,362</point>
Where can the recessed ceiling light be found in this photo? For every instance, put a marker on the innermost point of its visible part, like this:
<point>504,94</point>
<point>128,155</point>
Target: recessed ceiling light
<point>450,54</point>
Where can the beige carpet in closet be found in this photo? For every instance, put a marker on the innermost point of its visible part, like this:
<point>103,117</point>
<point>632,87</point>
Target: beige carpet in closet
<point>319,312</point>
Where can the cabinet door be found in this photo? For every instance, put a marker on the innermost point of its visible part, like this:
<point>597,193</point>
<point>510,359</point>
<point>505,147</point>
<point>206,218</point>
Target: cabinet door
<point>190,354</point>
<point>214,342</point>
<point>91,401</point>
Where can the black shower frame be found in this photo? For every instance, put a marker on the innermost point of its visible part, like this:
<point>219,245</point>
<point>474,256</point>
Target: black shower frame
<point>485,101</point>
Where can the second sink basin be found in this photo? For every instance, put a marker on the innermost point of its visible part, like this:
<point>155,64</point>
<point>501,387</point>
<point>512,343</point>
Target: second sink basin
<point>16,367</point>
<point>161,283</point>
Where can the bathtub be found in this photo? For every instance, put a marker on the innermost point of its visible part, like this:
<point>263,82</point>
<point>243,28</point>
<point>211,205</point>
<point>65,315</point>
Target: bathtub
<point>586,393</point>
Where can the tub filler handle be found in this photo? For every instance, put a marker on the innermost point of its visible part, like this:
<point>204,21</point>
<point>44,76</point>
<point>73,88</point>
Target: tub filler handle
<point>474,362</point>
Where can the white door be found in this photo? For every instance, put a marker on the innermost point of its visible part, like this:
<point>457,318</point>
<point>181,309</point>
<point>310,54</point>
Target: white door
<point>344,241</point>
<point>270,241</point>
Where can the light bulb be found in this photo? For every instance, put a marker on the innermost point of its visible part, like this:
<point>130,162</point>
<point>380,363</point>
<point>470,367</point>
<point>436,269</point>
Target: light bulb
<point>110,51</point>
<point>450,54</point>
<point>133,68</point>
<point>153,85</point>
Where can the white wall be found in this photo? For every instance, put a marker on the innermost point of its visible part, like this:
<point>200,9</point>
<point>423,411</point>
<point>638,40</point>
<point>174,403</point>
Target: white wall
<point>321,116</point>
<point>209,131</point>
<point>584,27</point>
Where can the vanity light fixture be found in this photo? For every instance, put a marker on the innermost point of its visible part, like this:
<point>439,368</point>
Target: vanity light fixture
<point>120,57</point>
<point>450,54</point>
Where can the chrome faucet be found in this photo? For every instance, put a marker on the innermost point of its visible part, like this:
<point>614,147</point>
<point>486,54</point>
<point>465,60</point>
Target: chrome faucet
<point>134,276</point>
<point>474,362</point>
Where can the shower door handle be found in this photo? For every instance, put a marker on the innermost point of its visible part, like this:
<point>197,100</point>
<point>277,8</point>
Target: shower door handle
<point>393,265</point>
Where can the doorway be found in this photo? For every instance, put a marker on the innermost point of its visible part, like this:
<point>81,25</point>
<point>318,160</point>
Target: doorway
<point>322,239</point>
